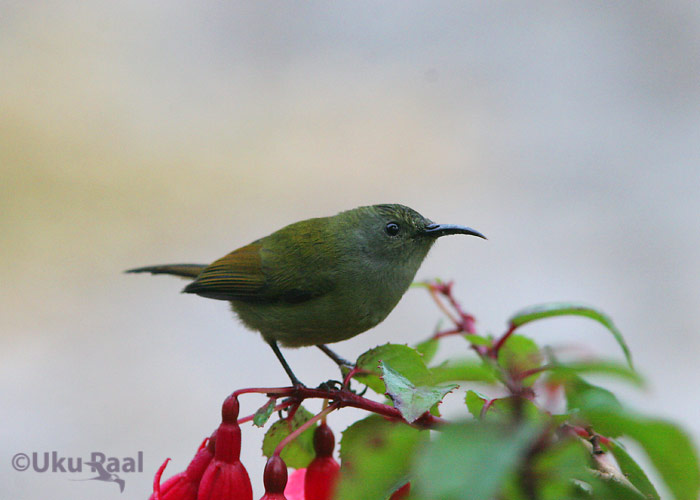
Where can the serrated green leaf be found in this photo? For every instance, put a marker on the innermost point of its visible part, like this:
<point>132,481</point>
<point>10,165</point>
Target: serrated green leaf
<point>520,354</point>
<point>405,360</point>
<point>262,415</point>
<point>412,401</point>
<point>375,458</point>
<point>632,471</point>
<point>571,309</point>
<point>463,370</point>
<point>471,460</point>
<point>428,348</point>
<point>299,453</point>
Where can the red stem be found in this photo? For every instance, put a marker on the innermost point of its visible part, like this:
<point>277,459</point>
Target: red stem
<point>589,434</point>
<point>434,289</point>
<point>447,333</point>
<point>493,352</point>
<point>533,371</point>
<point>486,407</point>
<point>344,398</point>
<point>355,370</point>
<point>468,321</point>
<point>281,406</point>
<point>281,391</point>
<point>295,433</point>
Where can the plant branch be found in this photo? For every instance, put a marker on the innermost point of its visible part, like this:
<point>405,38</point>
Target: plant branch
<point>493,352</point>
<point>295,434</point>
<point>281,406</point>
<point>343,398</point>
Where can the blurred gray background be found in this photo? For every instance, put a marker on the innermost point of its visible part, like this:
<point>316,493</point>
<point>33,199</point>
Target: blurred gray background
<point>135,133</point>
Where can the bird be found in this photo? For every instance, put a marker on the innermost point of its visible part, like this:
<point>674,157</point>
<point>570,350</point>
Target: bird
<point>103,475</point>
<point>321,280</point>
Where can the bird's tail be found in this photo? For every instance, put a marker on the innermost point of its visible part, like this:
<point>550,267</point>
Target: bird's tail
<point>189,271</point>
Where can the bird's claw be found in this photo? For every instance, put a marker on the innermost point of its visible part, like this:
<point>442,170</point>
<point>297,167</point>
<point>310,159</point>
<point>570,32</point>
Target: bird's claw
<point>331,385</point>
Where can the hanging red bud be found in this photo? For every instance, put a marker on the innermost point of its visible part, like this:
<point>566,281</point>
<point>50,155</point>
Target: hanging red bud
<point>184,486</point>
<point>275,479</point>
<point>225,478</point>
<point>322,472</point>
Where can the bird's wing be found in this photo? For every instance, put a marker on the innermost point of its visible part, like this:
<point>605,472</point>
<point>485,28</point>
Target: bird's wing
<point>285,266</point>
<point>236,276</point>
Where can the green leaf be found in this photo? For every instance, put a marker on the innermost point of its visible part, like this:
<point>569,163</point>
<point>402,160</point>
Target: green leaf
<point>614,489</point>
<point>263,414</point>
<point>467,370</point>
<point>471,460</point>
<point>412,401</point>
<point>299,453</point>
<point>567,371</point>
<point>520,354</point>
<point>376,456</point>
<point>402,358</point>
<point>475,402</point>
<point>671,452</point>
<point>668,447</point>
<point>478,340</point>
<point>570,309</point>
<point>632,471</point>
<point>581,396</point>
<point>506,409</point>
<point>513,408</point>
<point>428,348</point>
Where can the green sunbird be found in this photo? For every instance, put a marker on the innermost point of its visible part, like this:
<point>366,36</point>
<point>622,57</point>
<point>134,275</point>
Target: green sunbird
<point>319,280</point>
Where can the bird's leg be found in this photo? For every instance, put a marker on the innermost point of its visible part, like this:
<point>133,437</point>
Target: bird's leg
<point>345,366</point>
<point>336,359</point>
<point>290,373</point>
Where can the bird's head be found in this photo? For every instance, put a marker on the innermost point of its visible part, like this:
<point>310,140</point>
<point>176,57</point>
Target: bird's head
<point>395,232</point>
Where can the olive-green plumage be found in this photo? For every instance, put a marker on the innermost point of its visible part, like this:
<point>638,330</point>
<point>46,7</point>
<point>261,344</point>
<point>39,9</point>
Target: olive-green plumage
<point>320,280</point>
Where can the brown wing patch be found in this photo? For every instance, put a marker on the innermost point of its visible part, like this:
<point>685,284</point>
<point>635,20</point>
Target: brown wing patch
<point>236,276</point>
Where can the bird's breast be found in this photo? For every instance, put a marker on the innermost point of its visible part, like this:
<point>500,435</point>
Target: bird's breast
<point>352,307</point>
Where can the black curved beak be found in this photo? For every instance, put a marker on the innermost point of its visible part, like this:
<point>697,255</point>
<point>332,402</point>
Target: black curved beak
<point>437,230</point>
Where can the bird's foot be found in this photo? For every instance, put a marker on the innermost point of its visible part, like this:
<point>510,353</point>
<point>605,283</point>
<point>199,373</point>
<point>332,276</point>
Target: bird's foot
<point>297,385</point>
<point>331,385</point>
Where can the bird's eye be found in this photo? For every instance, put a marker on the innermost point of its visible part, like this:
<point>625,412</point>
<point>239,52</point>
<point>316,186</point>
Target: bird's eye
<point>392,229</point>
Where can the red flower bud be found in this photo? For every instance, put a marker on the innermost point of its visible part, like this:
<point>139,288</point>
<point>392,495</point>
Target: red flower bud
<point>225,478</point>
<point>401,492</point>
<point>322,472</point>
<point>275,479</point>
<point>184,486</point>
